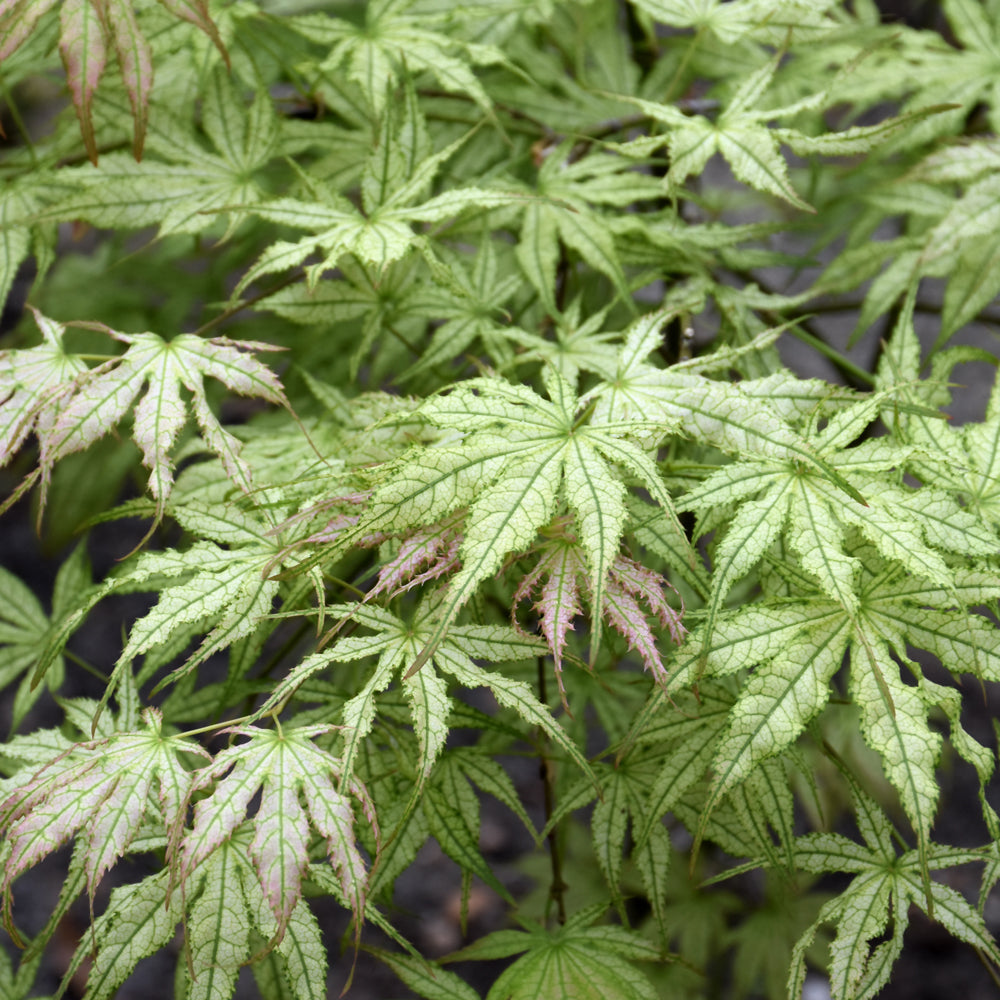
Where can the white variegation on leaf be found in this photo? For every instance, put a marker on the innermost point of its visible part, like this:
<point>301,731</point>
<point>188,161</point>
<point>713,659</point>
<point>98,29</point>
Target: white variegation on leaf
<point>103,788</point>
<point>289,769</point>
<point>158,369</point>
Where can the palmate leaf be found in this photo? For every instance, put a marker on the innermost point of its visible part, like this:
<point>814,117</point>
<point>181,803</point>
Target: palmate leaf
<point>579,960</point>
<point>571,195</point>
<point>287,767</point>
<point>217,585</point>
<point>397,643</point>
<point>629,585</point>
<point>380,298</point>
<point>751,147</point>
<point>883,887</point>
<point>393,43</point>
<point>157,369</point>
<point>87,30</point>
<point>797,646</point>
<point>578,343</point>
<point>220,579</point>
<point>102,787</point>
<point>521,454</point>
<point>222,908</point>
<point>181,183</point>
<point>773,498</point>
<point>395,189</point>
<point>629,793</point>
<point>487,288</point>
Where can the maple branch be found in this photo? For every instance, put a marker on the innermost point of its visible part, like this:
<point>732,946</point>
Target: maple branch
<point>546,771</point>
<point>247,303</point>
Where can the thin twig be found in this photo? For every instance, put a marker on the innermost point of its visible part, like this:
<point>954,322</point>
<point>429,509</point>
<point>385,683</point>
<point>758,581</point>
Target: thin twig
<point>247,303</point>
<point>546,771</point>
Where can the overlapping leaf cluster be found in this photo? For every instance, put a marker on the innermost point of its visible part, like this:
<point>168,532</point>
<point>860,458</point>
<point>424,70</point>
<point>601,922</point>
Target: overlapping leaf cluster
<point>531,417</point>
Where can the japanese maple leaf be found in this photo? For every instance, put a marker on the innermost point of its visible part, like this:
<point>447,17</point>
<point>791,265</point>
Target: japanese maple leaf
<point>394,42</point>
<point>884,883</point>
<point>157,369</point>
<point>86,30</point>
<point>395,184</point>
<point>796,647</point>
<point>742,135</point>
<point>577,344</point>
<point>102,788</point>
<point>288,768</point>
<point>520,456</point>
<point>573,194</point>
<point>562,565</point>
<point>772,498</point>
<point>470,309</point>
<point>223,910</point>
<point>393,297</point>
<point>221,579</point>
<point>181,182</point>
<point>396,643</point>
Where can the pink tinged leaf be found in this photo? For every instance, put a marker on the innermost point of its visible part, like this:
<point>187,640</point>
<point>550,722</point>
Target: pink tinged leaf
<point>17,21</point>
<point>280,846</point>
<point>623,612</point>
<point>223,360</point>
<point>135,61</point>
<point>101,401</point>
<point>646,585</point>
<point>196,12</point>
<point>117,819</point>
<point>334,527</point>
<point>333,817</point>
<point>559,599</point>
<point>218,815</point>
<point>53,821</point>
<point>159,417</point>
<point>84,55</point>
<point>433,550</point>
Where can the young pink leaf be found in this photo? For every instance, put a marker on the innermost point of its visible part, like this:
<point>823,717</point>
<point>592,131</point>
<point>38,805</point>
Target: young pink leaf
<point>563,563</point>
<point>628,586</point>
<point>425,555</point>
<point>196,12</point>
<point>135,62</point>
<point>623,611</point>
<point>84,55</point>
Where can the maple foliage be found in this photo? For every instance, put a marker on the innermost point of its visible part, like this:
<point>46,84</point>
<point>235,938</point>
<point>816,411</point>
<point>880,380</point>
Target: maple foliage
<point>541,365</point>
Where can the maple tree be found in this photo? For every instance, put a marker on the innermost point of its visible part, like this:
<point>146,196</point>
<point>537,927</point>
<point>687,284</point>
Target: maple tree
<point>507,399</point>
